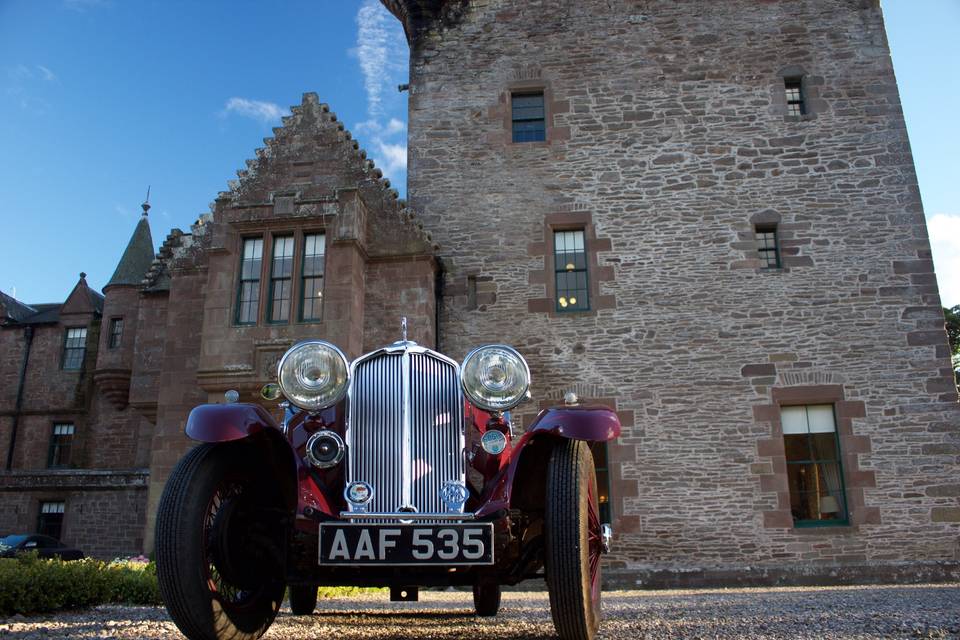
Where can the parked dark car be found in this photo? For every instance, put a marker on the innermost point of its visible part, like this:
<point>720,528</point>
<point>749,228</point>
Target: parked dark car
<point>400,469</point>
<point>45,546</point>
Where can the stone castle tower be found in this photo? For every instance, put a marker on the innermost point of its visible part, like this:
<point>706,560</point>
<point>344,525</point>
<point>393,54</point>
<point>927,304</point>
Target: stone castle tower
<point>702,214</point>
<point>754,252</point>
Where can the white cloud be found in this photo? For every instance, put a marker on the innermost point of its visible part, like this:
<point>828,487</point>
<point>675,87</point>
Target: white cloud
<point>944,231</point>
<point>122,210</point>
<point>255,109</point>
<point>395,126</point>
<point>48,75</point>
<point>391,157</point>
<point>382,54</point>
<point>381,50</point>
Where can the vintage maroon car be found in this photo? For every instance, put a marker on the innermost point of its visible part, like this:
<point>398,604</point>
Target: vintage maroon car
<point>400,469</point>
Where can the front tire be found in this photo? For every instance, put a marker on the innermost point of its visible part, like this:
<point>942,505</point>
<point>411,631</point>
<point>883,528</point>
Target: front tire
<point>573,541</point>
<point>303,599</point>
<point>218,549</point>
<point>486,598</point>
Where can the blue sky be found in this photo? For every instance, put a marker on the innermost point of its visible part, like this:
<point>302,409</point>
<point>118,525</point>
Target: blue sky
<point>99,98</point>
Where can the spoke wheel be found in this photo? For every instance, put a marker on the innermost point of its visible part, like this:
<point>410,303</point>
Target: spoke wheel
<point>574,541</point>
<point>216,550</point>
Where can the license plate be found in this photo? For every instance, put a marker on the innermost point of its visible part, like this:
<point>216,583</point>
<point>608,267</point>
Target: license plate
<point>357,544</point>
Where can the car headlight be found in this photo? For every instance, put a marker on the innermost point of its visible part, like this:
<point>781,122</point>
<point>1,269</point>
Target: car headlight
<point>313,375</point>
<point>495,377</point>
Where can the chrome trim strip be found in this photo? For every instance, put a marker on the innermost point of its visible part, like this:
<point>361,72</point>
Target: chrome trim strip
<point>406,446</point>
<point>355,515</point>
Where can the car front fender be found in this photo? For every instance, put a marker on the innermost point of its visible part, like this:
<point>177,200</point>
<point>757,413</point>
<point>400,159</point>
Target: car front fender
<point>227,422</point>
<point>591,423</point>
<point>527,465</point>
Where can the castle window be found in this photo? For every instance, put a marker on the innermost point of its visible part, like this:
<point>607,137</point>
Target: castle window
<point>814,472</point>
<point>529,117</point>
<point>570,270</point>
<point>311,289</point>
<point>280,279</point>
<point>795,98</point>
<point>248,301</point>
<point>50,519</point>
<point>116,332</point>
<point>74,348</point>
<point>61,442</point>
<point>768,246</point>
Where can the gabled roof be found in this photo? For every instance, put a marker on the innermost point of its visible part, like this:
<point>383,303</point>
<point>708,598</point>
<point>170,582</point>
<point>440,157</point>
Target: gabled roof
<point>82,299</point>
<point>137,257</point>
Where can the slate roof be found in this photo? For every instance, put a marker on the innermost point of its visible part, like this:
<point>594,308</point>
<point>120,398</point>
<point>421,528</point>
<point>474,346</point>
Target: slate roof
<point>19,313</point>
<point>137,257</point>
<point>14,309</point>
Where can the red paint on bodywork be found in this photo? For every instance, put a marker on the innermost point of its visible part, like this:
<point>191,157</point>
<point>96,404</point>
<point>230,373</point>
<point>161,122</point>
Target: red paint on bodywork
<point>227,422</point>
<point>590,423</point>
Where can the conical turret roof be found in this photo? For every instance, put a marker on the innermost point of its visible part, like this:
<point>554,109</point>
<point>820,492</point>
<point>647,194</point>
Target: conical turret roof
<point>137,257</point>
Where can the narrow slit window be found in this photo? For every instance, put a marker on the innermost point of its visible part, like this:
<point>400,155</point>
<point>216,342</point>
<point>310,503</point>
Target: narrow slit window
<point>768,245</point>
<point>814,472</point>
<point>529,117</point>
<point>311,289</point>
<point>570,271</point>
<point>248,300</point>
<point>61,444</point>
<point>795,101</point>
<point>281,282</point>
<point>50,519</point>
<point>116,332</point>
<point>74,348</point>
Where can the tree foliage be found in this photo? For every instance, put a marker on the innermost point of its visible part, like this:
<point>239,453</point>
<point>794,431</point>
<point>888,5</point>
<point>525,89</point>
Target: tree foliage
<point>953,328</point>
<point>952,316</point>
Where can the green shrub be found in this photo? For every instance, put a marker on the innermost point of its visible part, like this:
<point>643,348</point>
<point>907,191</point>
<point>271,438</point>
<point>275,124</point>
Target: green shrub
<point>31,585</point>
<point>325,593</point>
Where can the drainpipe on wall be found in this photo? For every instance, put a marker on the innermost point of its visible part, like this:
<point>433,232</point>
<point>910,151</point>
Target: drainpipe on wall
<point>28,336</point>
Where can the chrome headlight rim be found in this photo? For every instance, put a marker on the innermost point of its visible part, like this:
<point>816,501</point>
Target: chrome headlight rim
<point>328,464</point>
<point>480,402</point>
<point>314,407</point>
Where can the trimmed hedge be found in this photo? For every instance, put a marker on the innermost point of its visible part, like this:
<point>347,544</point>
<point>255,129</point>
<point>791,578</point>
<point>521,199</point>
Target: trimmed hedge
<point>31,585</point>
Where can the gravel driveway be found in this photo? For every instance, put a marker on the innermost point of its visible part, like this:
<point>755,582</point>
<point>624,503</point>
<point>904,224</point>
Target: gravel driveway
<point>924,611</point>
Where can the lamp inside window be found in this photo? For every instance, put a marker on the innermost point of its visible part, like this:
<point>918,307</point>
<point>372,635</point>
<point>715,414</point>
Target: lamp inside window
<point>814,470</point>
<point>570,271</point>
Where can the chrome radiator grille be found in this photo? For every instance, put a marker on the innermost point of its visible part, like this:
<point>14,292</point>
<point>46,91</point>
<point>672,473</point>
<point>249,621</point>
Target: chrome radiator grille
<point>405,433</point>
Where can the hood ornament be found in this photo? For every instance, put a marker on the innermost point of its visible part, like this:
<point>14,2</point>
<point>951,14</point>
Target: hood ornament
<point>403,329</point>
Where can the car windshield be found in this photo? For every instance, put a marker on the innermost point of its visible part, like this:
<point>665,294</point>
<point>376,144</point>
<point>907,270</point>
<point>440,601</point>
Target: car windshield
<point>10,542</point>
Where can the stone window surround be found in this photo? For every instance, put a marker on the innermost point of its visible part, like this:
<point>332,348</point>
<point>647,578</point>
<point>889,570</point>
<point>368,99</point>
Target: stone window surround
<point>63,347</point>
<point>851,446</point>
<point>73,444</point>
<point>504,111</point>
<point>788,244</point>
<point>809,90</point>
<point>267,232</point>
<point>44,497</point>
<point>567,221</point>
